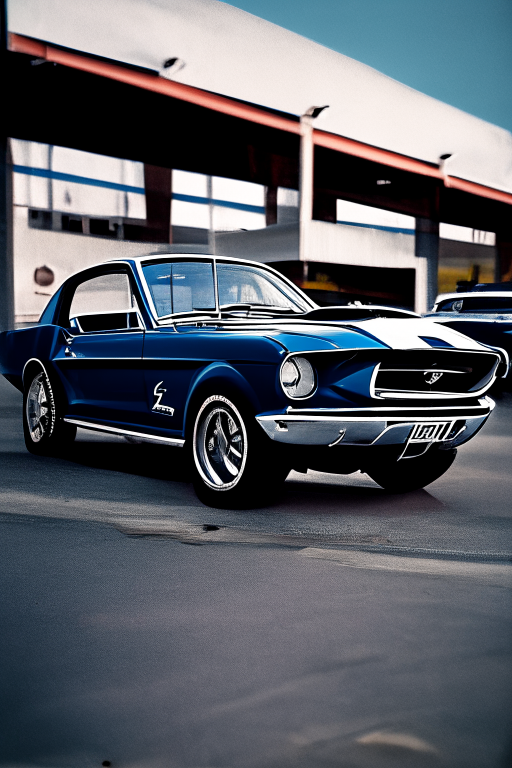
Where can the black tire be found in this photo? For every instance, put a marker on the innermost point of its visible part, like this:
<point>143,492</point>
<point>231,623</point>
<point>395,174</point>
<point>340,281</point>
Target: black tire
<point>410,474</point>
<point>233,465</point>
<point>44,430</point>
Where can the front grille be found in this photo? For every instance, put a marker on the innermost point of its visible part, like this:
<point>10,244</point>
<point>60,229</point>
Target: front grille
<point>433,374</point>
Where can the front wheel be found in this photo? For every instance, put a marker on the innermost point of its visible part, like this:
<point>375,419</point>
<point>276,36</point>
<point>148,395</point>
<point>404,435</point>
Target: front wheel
<point>235,467</point>
<point>44,430</point>
<point>410,474</point>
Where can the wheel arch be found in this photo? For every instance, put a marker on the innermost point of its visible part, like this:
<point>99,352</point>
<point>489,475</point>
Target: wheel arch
<point>222,379</point>
<point>33,364</point>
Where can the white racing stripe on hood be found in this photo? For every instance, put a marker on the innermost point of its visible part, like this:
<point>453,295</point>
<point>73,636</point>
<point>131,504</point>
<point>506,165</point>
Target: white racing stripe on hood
<point>405,334</point>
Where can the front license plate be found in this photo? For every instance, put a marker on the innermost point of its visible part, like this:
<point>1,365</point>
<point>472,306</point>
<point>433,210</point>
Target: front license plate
<point>425,433</point>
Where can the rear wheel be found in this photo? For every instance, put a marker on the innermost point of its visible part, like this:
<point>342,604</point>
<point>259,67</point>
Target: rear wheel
<point>235,467</point>
<point>44,430</point>
<point>410,474</point>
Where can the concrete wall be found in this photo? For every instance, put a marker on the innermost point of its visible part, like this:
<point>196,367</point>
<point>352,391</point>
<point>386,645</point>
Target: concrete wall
<point>279,242</point>
<point>64,253</point>
<point>326,242</point>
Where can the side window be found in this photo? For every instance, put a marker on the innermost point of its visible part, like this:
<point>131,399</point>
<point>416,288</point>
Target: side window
<point>105,293</point>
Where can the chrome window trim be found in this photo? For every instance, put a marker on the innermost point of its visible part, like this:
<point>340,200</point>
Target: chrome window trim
<point>128,272</point>
<point>209,258</point>
<point>176,441</point>
<point>268,268</point>
<point>173,317</point>
<point>147,294</point>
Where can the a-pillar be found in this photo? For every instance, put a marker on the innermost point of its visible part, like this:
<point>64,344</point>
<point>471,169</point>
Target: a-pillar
<point>427,261</point>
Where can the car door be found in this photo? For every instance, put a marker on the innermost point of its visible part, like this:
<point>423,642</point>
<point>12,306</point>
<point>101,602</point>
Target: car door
<point>173,354</point>
<point>101,352</point>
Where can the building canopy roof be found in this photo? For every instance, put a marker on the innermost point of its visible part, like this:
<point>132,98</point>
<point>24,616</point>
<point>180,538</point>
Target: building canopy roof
<point>231,52</point>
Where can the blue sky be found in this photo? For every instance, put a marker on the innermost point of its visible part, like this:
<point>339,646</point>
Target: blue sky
<point>459,51</point>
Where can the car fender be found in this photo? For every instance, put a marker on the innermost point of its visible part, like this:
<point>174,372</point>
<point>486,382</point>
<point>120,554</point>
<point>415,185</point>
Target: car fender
<point>218,377</point>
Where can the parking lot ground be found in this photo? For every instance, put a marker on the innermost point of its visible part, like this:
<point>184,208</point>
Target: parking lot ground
<point>342,626</point>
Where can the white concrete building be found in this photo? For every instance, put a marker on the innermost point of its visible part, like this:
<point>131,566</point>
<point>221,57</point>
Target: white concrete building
<point>182,123</point>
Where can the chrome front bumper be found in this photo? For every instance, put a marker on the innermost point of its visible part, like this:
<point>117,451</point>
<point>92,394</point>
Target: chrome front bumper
<point>448,426</point>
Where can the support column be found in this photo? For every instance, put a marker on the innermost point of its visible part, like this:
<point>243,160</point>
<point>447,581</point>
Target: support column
<point>270,205</point>
<point>305,183</point>
<point>211,222</point>
<point>6,223</point>
<point>158,188</point>
<point>504,248</point>
<point>427,259</point>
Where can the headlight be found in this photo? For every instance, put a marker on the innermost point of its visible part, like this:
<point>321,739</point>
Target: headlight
<point>297,377</point>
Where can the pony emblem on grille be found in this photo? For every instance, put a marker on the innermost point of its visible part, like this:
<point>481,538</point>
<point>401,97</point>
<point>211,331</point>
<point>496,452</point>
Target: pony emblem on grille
<point>432,376</point>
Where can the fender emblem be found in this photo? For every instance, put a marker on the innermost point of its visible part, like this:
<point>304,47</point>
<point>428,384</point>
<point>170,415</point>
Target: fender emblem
<point>158,393</point>
<point>432,376</point>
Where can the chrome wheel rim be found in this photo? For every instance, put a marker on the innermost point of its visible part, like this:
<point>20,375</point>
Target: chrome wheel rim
<point>38,409</point>
<point>220,444</point>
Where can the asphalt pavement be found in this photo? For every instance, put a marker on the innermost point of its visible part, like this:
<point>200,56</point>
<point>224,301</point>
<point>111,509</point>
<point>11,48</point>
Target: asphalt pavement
<point>341,626</point>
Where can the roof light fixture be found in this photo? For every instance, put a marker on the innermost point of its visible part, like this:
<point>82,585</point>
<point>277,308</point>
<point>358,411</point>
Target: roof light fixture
<point>315,111</point>
<point>171,66</point>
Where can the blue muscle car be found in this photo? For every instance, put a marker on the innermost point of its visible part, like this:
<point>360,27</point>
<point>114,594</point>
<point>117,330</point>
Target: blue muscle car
<point>230,361</point>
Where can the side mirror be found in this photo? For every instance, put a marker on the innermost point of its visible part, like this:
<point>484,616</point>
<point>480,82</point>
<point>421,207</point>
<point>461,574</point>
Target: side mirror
<point>106,321</point>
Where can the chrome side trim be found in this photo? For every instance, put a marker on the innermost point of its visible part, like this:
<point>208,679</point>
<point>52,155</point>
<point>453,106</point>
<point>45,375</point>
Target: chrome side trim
<point>176,441</point>
<point>85,359</point>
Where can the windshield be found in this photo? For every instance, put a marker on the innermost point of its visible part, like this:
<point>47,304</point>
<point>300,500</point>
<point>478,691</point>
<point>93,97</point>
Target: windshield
<point>178,287</point>
<point>188,287</point>
<point>477,305</point>
<point>240,284</point>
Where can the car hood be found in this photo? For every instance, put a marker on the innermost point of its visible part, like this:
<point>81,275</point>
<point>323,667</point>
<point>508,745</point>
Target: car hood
<point>369,334</point>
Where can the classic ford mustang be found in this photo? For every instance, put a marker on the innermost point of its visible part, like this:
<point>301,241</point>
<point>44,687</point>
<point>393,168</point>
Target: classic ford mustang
<point>229,360</point>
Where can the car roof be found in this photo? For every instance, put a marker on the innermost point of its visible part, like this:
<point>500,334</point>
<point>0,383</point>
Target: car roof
<point>155,256</point>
